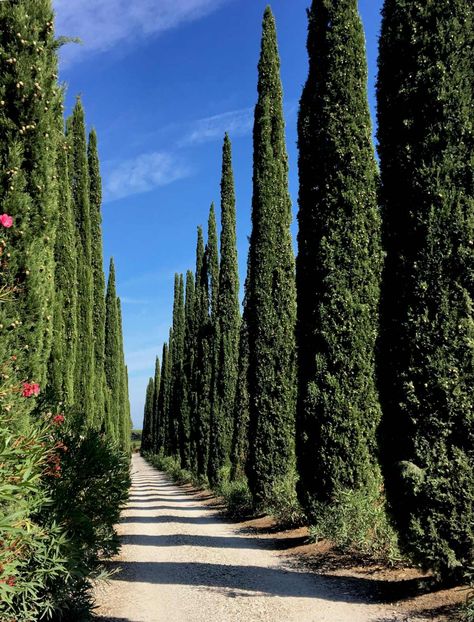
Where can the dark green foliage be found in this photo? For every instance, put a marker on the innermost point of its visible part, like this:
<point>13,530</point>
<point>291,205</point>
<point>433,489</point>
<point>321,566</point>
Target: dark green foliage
<point>227,326</point>
<point>147,417</point>
<point>86,501</point>
<point>176,393</point>
<point>98,279</point>
<point>64,346</point>
<point>240,438</point>
<point>270,295</point>
<point>30,129</point>
<point>84,385</point>
<point>112,358</point>
<point>426,115</point>
<point>339,263</point>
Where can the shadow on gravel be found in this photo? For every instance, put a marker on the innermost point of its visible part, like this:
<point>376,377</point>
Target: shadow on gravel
<point>172,518</point>
<point>163,507</point>
<point>235,579</point>
<point>212,541</point>
<point>284,582</point>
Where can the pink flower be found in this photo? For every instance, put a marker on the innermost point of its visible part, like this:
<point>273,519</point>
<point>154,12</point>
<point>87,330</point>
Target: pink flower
<point>58,419</point>
<point>29,390</point>
<point>6,221</point>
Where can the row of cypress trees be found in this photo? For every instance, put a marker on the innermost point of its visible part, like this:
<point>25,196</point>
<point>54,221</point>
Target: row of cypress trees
<point>64,332</point>
<point>356,365</point>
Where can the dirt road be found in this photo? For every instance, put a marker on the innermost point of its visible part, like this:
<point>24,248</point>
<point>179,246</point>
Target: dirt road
<point>181,562</point>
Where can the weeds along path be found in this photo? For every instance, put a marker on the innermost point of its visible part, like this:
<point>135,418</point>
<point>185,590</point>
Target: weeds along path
<point>181,562</point>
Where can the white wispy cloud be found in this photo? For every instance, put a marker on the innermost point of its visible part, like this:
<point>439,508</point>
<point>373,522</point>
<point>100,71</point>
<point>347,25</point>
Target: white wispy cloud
<point>142,360</point>
<point>235,122</point>
<point>126,300</point>
<point>142,174</point>
<point>104,24</point>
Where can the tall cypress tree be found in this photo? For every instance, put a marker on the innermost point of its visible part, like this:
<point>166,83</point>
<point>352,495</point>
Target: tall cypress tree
<point>339,263</point>
<point>198,451</point>
<point>147,415</point>
<point>124,421</point>
<point>161,418</point>
<point>227,325</point>
<point>203,372</point>
<point>271,296</point>
<point>112,357</point>
<point>85,385</point>
<point>189,354</point>
<point>98,278</point>
<point>30,128</point>
<point>63,351</point>
<point>167,397</point>
<point>176,394</point>
<point>426,114</point>
<point>156,398</point>
<point>240,436</point>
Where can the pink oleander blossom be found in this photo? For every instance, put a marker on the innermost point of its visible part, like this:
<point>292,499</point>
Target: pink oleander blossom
<point>6,221</point>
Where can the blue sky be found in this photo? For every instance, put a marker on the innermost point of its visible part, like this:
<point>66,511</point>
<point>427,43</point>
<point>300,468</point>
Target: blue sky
<point>161,81</point>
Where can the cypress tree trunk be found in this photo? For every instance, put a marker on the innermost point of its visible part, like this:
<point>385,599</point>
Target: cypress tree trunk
<point>85,384</point>
<point>177,367</point>
<point>339,264</point>
<point>147,415</point>
<point>161,425</point>
<point>98,278</point>
<point>63,351</point>
<point>426,114</point>
<point>112,358</point>
<point>30,131</point>
<point>271,297</point>
<point>228,322</point>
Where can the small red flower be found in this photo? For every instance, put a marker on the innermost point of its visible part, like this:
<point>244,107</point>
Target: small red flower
<point>6,221</point>
<point>58,419</point>
<point>11,581</point>
<point>30,390</point>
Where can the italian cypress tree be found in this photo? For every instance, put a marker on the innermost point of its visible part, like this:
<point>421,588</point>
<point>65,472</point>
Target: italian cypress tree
<point>167,383</point>
<point>271,296</point>
<point>212,263</point>
<point>98,278</point>
<point>339,264</point>
<point>198,451</point>
<point>176,393</point>
<point>426,114</point>
<point>112,358</point>
<point>228,322</point>
<point>124,422</point>
<point>85,384</point>
<point>63,351</point>
<point>240,437</point>
<point>30,130</point>
<point>203,372</point>
<point>156,396</point>
<point>188,364</point>
<point>161,419</point>
<point>147,415</point>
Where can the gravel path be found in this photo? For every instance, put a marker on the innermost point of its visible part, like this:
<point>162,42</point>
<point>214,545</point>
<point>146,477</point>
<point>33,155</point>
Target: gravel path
<point>181,562</point>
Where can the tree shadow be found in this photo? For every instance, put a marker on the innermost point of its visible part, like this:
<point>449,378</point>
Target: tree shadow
<point>163,507</point>
<point>172,518</point>
<point>223,542</point>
